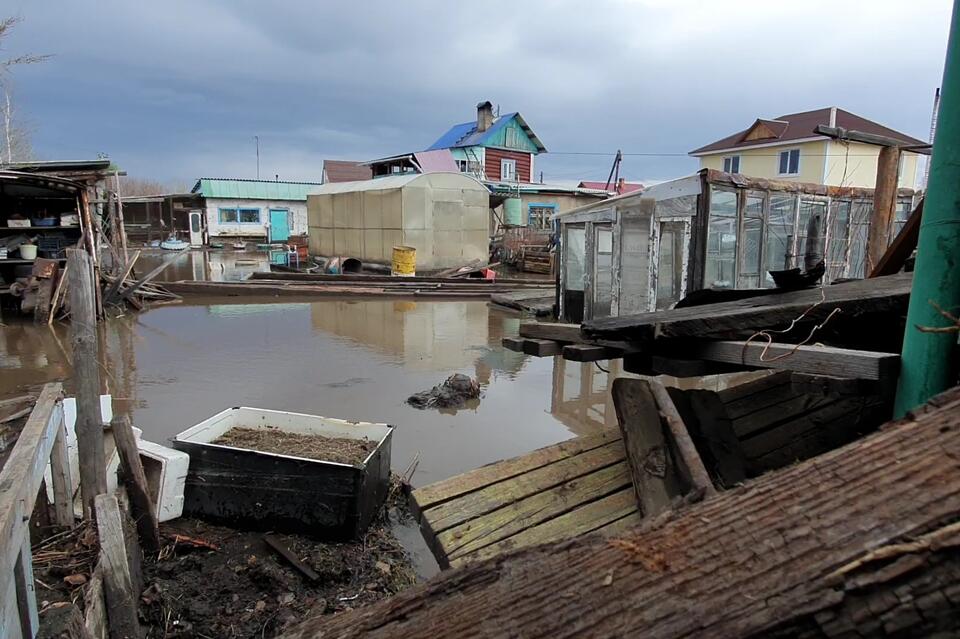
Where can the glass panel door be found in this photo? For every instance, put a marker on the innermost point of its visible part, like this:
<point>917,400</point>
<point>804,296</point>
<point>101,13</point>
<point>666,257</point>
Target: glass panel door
<point>603,274</point>
<point>670,263</point>
<point>751,242</point>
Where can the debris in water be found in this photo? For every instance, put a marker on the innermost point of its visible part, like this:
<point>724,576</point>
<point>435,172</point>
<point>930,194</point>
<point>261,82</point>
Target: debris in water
<point>273,440</point>
<point>455,392</point>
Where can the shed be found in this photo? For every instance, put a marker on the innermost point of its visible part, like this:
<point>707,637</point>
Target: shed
<point>269,209</point>
<point>442,215</point>
<point>627,254</point>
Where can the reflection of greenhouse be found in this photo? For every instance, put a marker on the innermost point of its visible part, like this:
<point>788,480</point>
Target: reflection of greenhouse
<point>643,251</point>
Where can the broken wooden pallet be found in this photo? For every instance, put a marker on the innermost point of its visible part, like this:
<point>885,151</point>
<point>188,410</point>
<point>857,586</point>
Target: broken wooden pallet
<point>561,491</point>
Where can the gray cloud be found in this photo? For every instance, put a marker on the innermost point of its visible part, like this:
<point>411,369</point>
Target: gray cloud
<point>175,90</point>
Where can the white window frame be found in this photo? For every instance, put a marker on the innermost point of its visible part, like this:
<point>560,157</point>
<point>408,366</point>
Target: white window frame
<point>512,164</point>
<point>731,159</point>
<point>463,165</point>
<point>789,173</point>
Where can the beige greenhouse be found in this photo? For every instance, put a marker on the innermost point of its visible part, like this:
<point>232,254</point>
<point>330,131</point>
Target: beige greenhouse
<point>444,216</point>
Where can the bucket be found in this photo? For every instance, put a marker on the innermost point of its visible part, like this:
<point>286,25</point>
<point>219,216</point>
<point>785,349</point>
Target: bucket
<point>404,261</point>
<point>28,251</point>
<point>512,211</point>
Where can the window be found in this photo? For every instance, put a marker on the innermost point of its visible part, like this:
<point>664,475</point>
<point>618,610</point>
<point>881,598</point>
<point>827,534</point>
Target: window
<point>603,275</point>
<point>574,257</point>
<point>508,170</point>
<point>810,220</point>
<point>731,164</point>
<point>779,234</point>
<point>789,162</point>
<point>463,165</point>
<point>243,216</point>
<point>538,215</point>
<point>512,138</point>
<point>751,242</point>
<point>721,239</point>
<point>837,241</point>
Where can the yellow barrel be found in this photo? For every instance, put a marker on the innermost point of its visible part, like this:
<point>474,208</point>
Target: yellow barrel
<point>404,261</point>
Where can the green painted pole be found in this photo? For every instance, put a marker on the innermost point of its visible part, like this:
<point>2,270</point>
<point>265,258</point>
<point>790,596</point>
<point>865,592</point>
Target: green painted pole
<point>929,360</point>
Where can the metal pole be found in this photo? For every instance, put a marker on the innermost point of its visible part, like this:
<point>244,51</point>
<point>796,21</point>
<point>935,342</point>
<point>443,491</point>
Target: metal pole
<point>929,360</point>
<point>257,138</point>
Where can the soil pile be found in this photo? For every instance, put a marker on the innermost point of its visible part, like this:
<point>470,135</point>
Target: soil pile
<point>455,392</point>
<point>214,581</point>
<point>274,440</point>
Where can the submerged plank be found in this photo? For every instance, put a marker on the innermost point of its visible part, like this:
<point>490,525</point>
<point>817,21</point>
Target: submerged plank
<point>614,512</point>
<point>490,498</point>
<point>448,489</point>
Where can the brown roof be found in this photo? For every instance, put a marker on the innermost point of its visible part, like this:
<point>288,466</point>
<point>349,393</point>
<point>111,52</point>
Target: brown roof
<point>798,126</point>
<point>345,171</point>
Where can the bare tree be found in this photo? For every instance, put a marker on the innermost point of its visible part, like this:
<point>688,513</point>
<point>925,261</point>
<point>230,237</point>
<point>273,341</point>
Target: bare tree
<point>16,137</point>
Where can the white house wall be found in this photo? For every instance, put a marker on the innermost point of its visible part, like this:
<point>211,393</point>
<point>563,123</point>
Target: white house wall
<point>297,219</point>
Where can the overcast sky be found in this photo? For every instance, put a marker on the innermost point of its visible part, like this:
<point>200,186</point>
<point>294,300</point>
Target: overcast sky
<point>175,90</point>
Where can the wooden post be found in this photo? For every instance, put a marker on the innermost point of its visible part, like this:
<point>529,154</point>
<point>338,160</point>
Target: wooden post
<point>118,585</point>
<point>26,595</point>
<point>62,480</point>
<point>141,504</point>
<point>884,205</point>
<point>86,371</point>
<point>123,228</point>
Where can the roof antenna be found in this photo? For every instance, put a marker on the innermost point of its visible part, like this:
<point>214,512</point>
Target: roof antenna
<point>498,111</point>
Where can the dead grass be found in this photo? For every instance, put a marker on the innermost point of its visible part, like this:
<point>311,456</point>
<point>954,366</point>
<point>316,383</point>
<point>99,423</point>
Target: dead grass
<point>272,440</point>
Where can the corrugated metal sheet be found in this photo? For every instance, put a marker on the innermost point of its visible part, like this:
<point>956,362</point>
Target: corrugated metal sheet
<point>466,134</point>
<point>440,160</point>
<point>254,189</point>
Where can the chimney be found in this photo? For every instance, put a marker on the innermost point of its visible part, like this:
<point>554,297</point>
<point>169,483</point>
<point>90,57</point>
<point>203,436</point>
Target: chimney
<point>484,116</point>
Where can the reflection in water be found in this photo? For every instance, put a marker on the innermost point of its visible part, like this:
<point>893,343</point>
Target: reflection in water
<point>208,265</point>
<point>174,366</point>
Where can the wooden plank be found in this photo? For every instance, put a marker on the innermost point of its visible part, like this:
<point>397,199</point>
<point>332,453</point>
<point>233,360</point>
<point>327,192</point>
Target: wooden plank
<point>94,605</point>
<point>89,427</point>
<point>691,466</point>
<point>755,387</point>
<point>810,384</point>
<point>490,498</point>
<point>135,480</point>
<point>130,290</point>
<point>21,475</point>
<point>517,516</point>
<point>278,546</point>
<point>61,479</point>
<point>111,291</point>
<point>590,353</point>
<point>549,330</point>
<point>820,360</point>
<point>122,600</point>
<point>653,470</point>
<point>513,343</point>
<point>419,279</point>
<point>620,506</point>
<point>767,418</point>
<point>742,318</point>
<point>443,491</point>
<point>714,429</point>
<point>840,133</point>
<point>25,588</point>
<point>542,347</point>
<point>846,544</point>
<point>902,246</point>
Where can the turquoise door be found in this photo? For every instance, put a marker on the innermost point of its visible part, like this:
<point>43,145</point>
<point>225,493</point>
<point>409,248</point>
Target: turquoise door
<point>279,225</point>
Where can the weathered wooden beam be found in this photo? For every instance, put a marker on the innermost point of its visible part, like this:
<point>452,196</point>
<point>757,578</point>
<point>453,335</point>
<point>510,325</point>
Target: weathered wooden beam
<point>840,133</point>
<point>281,549</point>
<point>549,330</point>
<point>847,543</point>
<point>812,384</point>
<point>130,290</point>
<point>513,343</point>
<point>902,246</point>
<point>86,369</point>
<point>884,206</point>
<point>141,504</point>
<point>122,600</point>
<point>590,352</point>
<point>542,347</point>
<point>111,291</point>
<point>819,360</point>
<point>61,478</point>
<point>695,474</point>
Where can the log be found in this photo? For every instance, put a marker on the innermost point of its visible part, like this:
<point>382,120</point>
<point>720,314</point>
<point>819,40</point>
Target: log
<point>884,206</point>
<point>902,246</point>
<point>122,599</point>
<point>121,279</point>
<point>141,504</point>
<point>857,542</point>
<point>83,333</point>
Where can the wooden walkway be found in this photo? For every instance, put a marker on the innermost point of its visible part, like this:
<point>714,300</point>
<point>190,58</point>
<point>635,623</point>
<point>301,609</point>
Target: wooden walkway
<point>554,493</point>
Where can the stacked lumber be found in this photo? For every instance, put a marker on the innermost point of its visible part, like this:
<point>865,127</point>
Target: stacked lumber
<point>536,259</point>
<point>859,542</point>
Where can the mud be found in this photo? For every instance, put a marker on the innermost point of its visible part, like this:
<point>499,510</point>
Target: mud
<point>245,589</point>
<point>271,440</point>
<point>455,392</point>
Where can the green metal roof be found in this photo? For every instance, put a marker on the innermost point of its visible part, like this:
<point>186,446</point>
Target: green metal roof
<point>254,189</point>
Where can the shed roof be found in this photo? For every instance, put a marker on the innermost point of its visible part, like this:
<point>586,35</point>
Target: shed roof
<point>466,134</point>
<point>230,188</point>
<point>800,126</point>
<point>345,171</point>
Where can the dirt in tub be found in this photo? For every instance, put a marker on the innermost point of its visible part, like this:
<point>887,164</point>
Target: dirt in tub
<point>212,581</point>
<point>274,440</point>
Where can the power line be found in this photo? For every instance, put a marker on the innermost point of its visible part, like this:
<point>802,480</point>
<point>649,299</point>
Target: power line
<point>685,155</point>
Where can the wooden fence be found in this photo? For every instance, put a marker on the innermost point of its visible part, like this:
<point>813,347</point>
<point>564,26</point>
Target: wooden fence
<point>43,438</point>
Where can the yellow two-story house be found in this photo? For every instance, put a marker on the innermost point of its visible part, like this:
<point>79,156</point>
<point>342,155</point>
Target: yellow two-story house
<point>788,148</point>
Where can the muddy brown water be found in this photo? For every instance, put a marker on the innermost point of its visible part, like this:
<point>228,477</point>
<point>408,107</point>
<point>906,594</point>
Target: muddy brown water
<point>171,367</point>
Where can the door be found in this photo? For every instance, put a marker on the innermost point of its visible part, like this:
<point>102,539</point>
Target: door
<point>279,225</point>
<point>602,271</point>
<point>196,228</point>
<point>673,244</point>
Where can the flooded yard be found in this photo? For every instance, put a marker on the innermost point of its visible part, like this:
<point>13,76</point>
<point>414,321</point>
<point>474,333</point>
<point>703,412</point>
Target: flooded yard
<point>172,367</point>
